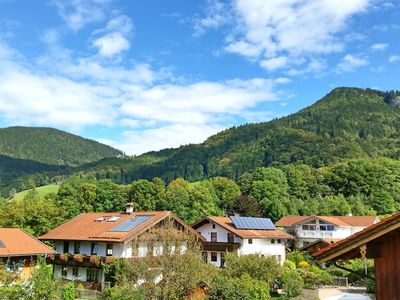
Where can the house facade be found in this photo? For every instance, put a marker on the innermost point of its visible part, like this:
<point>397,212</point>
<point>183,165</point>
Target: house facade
<point>309,229</point>
<point>381,242</point>
<point>19,251</point>
<point>242,234</point>
<point>89,241</point>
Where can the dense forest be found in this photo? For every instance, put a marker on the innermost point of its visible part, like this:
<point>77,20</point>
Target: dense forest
<point>345,124</point>
<point>51,146</point>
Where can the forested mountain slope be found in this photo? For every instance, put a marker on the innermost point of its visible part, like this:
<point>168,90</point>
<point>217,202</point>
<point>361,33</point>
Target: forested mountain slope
<point>346,123</point>
<point>51,146</point>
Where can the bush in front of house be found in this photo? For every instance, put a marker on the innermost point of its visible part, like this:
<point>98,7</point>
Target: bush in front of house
<point>68,291</point>
<point>292,283</point>
<point>264,268</point>
<point>239,288</point>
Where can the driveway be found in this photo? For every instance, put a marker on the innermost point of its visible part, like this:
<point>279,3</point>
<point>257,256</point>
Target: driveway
<point>343,294</point>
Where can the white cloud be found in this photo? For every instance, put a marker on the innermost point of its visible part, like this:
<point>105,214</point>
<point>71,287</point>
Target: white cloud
<point>78,13</point>
<point>269,31</point>
<point>111,44</point>
<point>216,16</point>
<point>170,136</point>
<point>274,63</point>
<point>350,62</point>
<point>394,58</point>
<point>379,47</point>
<point>73,93</point>
<point>115,36</point>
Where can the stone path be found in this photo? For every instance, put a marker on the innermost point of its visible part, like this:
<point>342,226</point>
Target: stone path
<point>343,294</point>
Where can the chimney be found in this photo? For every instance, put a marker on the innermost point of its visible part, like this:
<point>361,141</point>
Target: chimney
<point>129,208</point>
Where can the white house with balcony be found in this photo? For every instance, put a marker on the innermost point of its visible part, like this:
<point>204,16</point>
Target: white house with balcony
<point>87,242</point>
<point>309,229</point>
<point>245,235</point>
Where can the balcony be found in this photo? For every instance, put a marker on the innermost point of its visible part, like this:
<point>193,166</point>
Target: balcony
<point>315,234</point>
<point>80,260</point>
<point>220,246</point>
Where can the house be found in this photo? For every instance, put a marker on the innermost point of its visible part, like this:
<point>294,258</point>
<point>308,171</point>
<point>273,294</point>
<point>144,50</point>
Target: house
<point>381,242</point>
<point>19,251</point>
<point>308,229</point>
<point>90,240</point>
<point>245,235</point>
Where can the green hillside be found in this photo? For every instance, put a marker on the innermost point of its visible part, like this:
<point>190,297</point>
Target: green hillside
<point>346,123</point>
<point>51,146</point>
<point>41,190</point>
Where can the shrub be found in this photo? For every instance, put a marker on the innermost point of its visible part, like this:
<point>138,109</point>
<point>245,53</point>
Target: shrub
<point>371,286</point>
<point>258,267</point>
<point>292,283</point>
<point>288,264</point>
<point>303,264</point>
<point>68,292</point>
<point>314,276</point>
<point>243,288</point>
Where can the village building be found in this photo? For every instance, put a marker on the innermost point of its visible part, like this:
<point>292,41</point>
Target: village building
<point>90,240</point>
<point>309,229</point>
<point>245,235</point>
<point>19,251</point>
<point>381,242</point>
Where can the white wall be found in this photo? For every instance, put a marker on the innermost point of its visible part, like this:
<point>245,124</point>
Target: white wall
<point>222,233</point>
<point>259,246</point>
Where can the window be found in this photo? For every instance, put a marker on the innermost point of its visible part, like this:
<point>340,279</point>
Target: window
<point>135,249</point>
<point>231,238</point>
<point>279,241</point>
<point>92,275</point>
<point>311,225</point>
<point>213,226</point>
<point>325,226</point>
<point>77,247</point>
<point>66,247</point>
<point>213,236</point>
<point>204,255</point>
<point>250,241</point>
<point>222,260</point>
<point>94,248</point>
<point>214,256</point>
<point>64,271</point>
<point>272,241</point>
<point>109,251</point>
<point>75,272</point>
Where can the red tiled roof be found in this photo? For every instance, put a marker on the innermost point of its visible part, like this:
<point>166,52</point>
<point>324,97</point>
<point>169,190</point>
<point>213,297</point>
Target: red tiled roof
<point>227,223</point>
<point>84,227</point>
<point>16,242</point>
<point>344,221</point>
<point>347,242</point>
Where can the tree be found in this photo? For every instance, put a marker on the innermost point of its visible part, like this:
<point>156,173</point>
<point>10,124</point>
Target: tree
<point>177,197</point>
<point>227,192</point>
<point>143,193</point>
<point>43,285</point>
<point>171,270</point>
<point>247,206</point>
<point>34,214</point>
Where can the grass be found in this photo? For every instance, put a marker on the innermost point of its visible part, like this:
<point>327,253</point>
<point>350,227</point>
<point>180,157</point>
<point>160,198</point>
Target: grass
<point>42,190</point>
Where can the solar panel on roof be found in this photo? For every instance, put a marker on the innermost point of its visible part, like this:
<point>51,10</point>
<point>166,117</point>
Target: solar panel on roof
<point>113,219</point>
<point>253,223</point>
<point>131,223</point>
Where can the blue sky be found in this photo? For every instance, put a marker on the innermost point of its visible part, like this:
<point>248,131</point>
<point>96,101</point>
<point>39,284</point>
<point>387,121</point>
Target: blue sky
<point>146,75</point>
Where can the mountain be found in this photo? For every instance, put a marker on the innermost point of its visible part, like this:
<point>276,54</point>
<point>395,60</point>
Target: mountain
<point>346,123</point>
<point>51,146</point>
